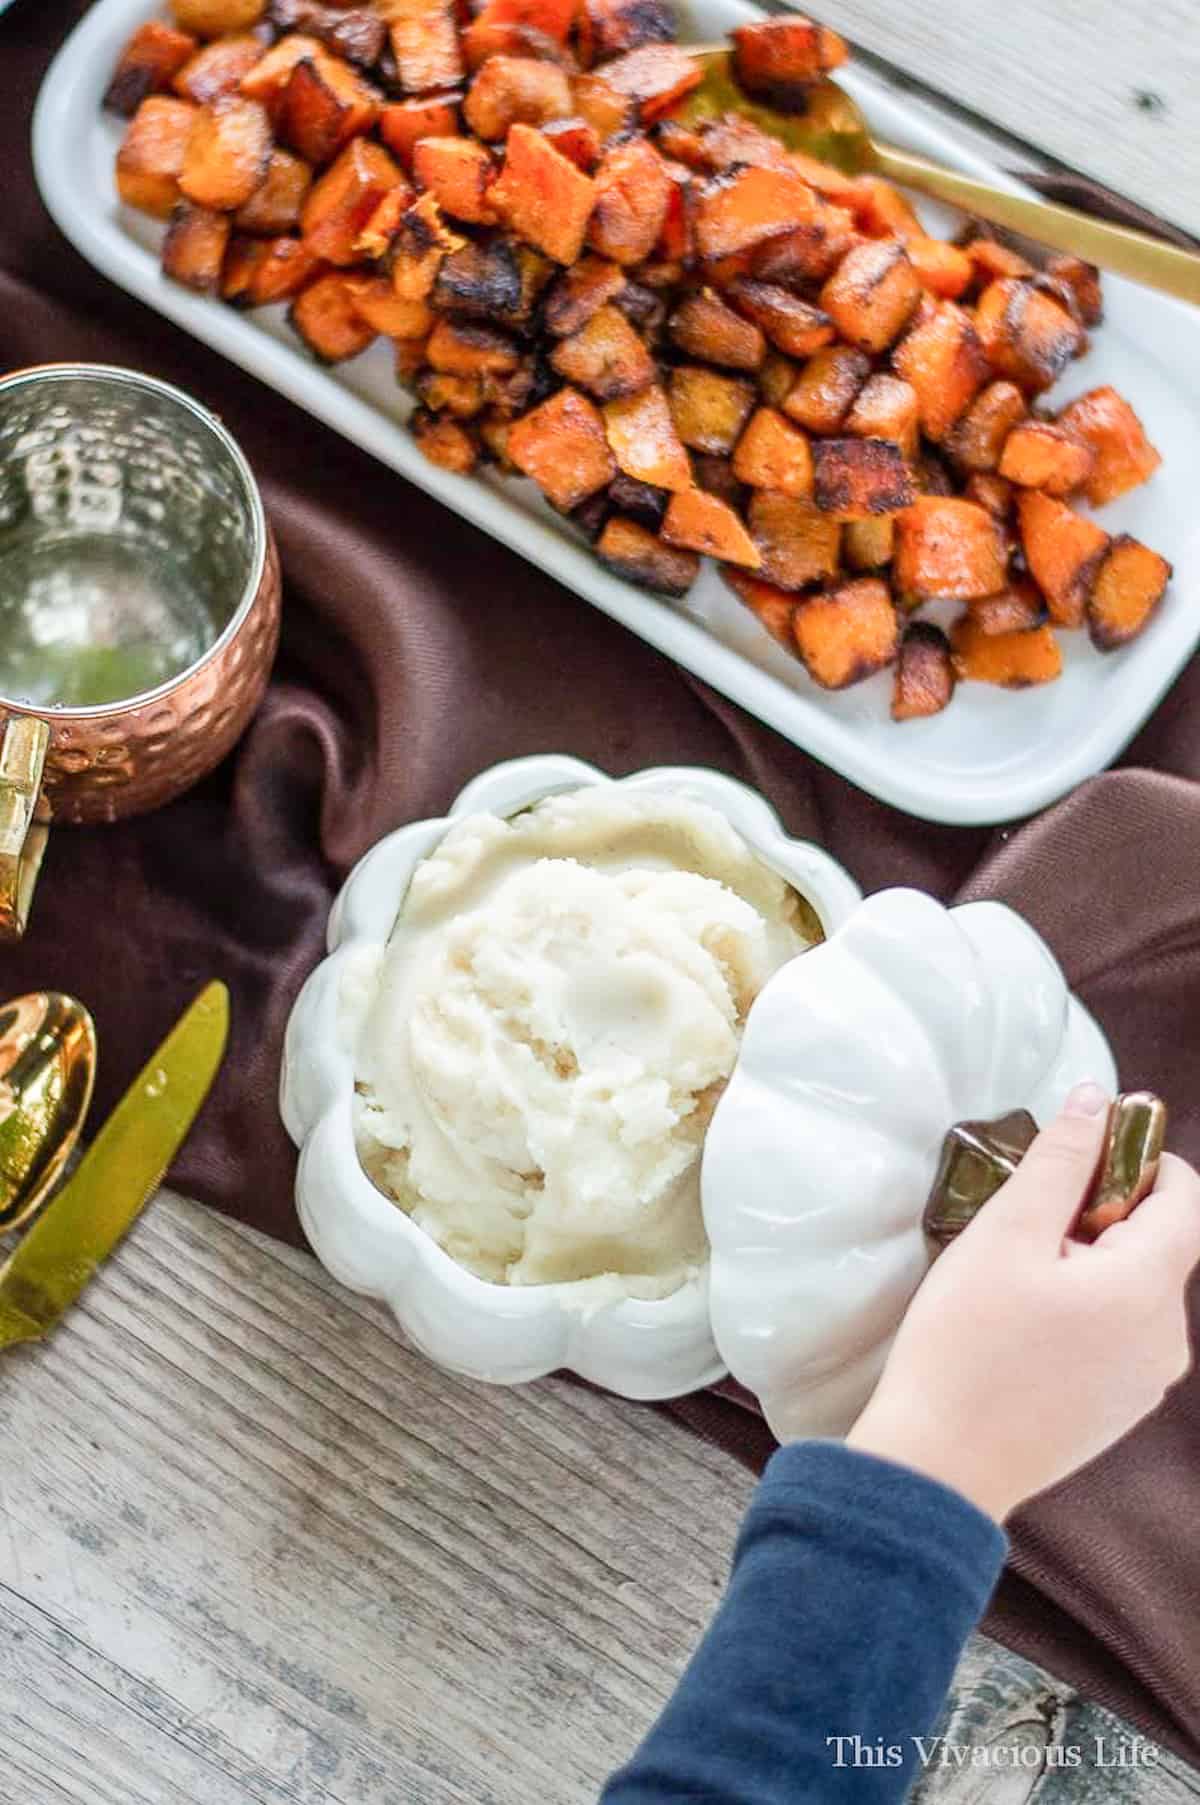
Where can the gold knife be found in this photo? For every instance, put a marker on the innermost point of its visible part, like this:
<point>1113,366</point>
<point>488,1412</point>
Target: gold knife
<point>117,1176</point>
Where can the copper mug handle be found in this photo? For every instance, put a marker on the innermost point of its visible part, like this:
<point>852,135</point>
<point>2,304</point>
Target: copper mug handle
<point>24,818</point>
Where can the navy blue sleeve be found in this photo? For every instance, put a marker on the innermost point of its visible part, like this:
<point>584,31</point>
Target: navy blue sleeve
<point>855,1584</point>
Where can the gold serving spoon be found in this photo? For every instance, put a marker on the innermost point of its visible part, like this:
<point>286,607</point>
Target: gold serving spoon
<point>833,128</point>
<point>47,1069</point>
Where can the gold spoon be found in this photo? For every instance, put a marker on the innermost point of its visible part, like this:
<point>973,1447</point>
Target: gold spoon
<point>833,128</point>
<point>47,1069</point>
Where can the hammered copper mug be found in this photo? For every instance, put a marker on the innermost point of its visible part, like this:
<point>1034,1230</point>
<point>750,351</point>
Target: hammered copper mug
<point>139,604</point>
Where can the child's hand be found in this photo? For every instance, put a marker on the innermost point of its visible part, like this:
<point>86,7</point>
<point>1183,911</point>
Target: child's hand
<point>1023,1354</point>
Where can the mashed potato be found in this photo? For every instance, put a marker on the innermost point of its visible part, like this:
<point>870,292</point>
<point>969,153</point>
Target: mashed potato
<point>551,1025</point>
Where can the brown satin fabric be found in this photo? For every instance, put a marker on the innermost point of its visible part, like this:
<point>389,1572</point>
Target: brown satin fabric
<point>416,651</point>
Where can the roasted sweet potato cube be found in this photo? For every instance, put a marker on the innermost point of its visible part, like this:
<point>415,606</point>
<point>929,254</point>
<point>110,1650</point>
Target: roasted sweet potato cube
<point>1083,279</point>
<point>424,43</point>
<point>326,318</point>
<point>269,77</point>
<point>515,89</point>
<point>275,208</point>
<point>774,454</point>
<point>547,22</point>
<point>614,26</point>
<point>606,357</point>
<point>825,389</point>
<point>797,545</point>
<point>214,18</point>
<point>703,326</point>
<point>847,633</point>
<point>442,393</point>
<point>575,138</point>
<point>403,122</point>
<point>809,252</point>
<point>545,199</point>
<point>445,441</point>
<point>780,59</point>
<point>580,292</point>
<point>871,294</point>
<point>855,478</point>
<point>562,446</point>
<point>924,681</point>
<point>421,242</point>
<point>410,357</point>
<point>1063,551</point>
<point>151,156</point>
<point>701,522</point>
<point>1129,585</point>
<point>1124,456</point>
<point>869,544</point>
<point>261,271</point>
<point>632,191</point>
<point>777,377</point>
<point>793,325</point>
<point>948,549</point>
<point>459,174</point>
<point>641,556</point>
<point>734,141</point>
<point>377,235</point>
<point>193,250</point>
<point>228,154</point>
<point>943,269</point>
<point>991,260</point>
<point>496,31</point>
<point>343,199</point>
<point>976,439</point>
<point>643,309</point>
<point>1026,335</point>
<point>381,307</point>
<point>355,32</point>
<point>654,77</point>
<point>773,606</point>
<point>467,348</point>
<point>323,106</point>
<point>710,410</point>
<point>886,407</point>
<point>1013,660</point>
<point>748,205</point>
<point>606,111</point>
<point>992,493</point>
<point>153,55</point>
<point>644,442</point>
<point>217,69</point>
<point>1039,455</point>
<point>943,359</point>
<point>1015,609</point>
<point>493,429</point>
<point>882,211</point>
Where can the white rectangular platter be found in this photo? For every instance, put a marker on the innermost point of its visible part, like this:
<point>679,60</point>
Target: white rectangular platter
<point>993,755</point>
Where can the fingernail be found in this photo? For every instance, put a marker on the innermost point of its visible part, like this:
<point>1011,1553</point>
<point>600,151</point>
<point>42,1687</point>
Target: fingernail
<point>1087,1099</point>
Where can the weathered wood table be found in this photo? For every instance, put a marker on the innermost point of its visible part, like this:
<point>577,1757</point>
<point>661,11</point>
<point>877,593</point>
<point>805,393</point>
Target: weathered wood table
<point>253,1549</point>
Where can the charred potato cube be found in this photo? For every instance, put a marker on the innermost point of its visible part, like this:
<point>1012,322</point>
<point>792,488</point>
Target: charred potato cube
<point>424,43</point>
<point>977,438</point>
<point>276,206</point>
<point>445,441</point>
<point>797,545</point>
<point>703,326</point>
<point>1026,335</point>
<point>825,389</point>
<point>709,409</point>
<point>614,26</point>
<point>746,206</point>
<point>580,292</point>
<point>638,501</point>
<point>924,681</point>
<point>153,55</point>
<point>641,556</point>
<point>217,69</point>
<point>324,104</point>
<point>793,325</point>
<point>194,248</point>
<point>1129,584</point>
<point>606,357</point>
<point>511,90</point>
<point>886,407</point>
<point>944,360</point>
<point>855,478</point>
<point>780,59</point>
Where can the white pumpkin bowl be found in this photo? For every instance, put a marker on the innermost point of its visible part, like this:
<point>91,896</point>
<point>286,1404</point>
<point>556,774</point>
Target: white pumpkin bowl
<point>505,1334</point>
<point>855,1061</point>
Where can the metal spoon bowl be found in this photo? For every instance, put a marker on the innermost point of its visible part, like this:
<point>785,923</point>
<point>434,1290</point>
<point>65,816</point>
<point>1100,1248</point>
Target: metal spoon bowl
<point>47,1070</point>
<point>833,128</point>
